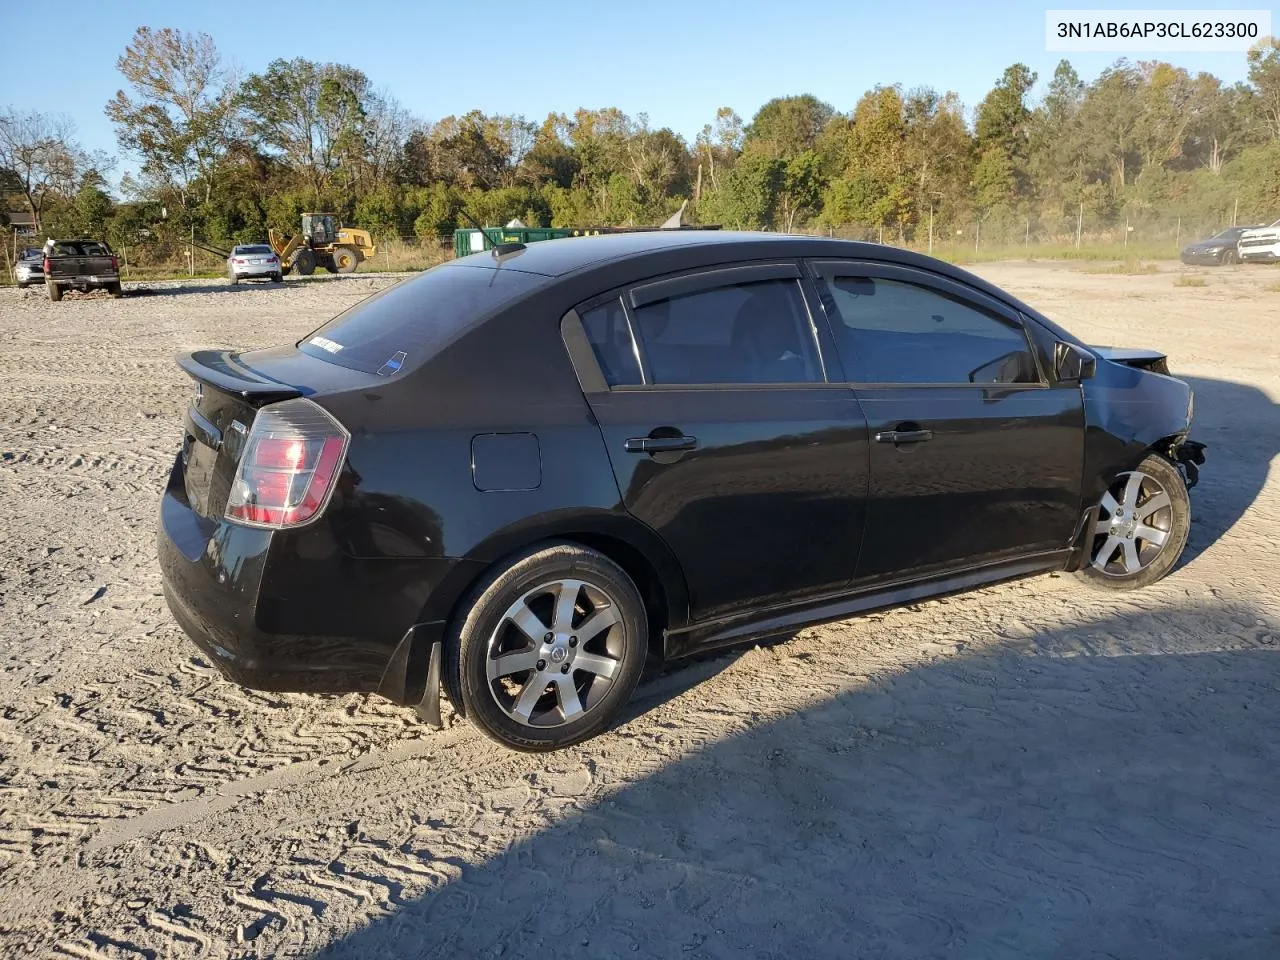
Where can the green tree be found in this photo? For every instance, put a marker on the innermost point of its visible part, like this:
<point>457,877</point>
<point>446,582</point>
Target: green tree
<point>748,196</point>
<point>800,192</point>
<point>1110,116</point>
<point>1264,76</point>
<point>436,209</point>
<point>787,126</point>
<point>310,115</point>
<point>1003,123</point>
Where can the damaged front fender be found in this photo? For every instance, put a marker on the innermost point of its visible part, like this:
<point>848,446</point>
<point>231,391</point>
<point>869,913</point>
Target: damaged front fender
<point>1133,406</point>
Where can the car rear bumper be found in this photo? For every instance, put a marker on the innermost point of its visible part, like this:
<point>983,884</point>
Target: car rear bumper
<point>88,280</point>
<point>250,270</point>
<point>272,614</point>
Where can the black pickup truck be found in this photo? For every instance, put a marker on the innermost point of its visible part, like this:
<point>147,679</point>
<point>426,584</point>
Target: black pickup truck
<point>80,265</point>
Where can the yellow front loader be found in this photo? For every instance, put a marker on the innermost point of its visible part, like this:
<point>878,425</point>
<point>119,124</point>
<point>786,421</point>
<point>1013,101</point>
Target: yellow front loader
<point>322,243</point>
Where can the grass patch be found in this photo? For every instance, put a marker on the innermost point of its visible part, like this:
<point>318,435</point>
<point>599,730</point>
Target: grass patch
<point>1053,251</point>
<point>1188,281</point>
<point>1126,268</point>
<point>1273,287</point>
<point>395,256</point>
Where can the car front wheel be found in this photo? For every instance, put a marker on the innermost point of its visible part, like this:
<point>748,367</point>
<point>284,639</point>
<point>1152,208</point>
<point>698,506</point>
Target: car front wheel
<point>1141,528</point>
<point>550,648</point>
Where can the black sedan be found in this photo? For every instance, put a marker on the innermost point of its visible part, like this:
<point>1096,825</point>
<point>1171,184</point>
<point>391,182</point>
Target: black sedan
<point>523,474</point>
<point>1218,250</point>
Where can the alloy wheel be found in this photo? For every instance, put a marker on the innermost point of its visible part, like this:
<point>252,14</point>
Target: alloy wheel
<point>1134,523</point>
<point>555,652</point>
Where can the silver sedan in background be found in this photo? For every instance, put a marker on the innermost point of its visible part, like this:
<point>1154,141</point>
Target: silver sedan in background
<point>29,269</point>
<point>253,261</point>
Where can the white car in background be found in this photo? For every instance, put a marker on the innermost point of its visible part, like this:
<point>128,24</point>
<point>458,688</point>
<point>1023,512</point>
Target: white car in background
<point>253,261</point>
<point>1260,245</point>
<point>29,269</point>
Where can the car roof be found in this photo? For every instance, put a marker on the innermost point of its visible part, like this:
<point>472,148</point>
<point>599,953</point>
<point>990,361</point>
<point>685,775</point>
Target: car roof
<point>561,257</point>
<point>556,258</point>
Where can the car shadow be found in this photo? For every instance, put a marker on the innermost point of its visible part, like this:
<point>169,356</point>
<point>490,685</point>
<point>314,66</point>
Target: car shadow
<point>1106,790</point>
<point>1241,427</point>
<point>212,286</point>
<point>172,288</point>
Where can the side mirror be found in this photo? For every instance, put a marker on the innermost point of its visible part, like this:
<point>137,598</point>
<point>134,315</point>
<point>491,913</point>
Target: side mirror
<point>1071,364</point>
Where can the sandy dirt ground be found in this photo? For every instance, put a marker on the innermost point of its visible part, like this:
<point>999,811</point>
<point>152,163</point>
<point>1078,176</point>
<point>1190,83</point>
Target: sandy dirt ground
<point>1032,770</point>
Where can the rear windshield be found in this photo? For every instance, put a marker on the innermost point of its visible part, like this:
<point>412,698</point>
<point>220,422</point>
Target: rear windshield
<point>252,251</point>
<point>86,249</point>
<point>408,322</point>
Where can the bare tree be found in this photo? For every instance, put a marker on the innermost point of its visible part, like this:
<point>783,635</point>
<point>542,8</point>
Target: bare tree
<point>41,156</point>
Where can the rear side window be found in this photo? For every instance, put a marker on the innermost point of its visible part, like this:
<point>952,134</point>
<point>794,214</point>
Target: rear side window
<point>415,318</point>
<point>889,331</point>
<point>253,251</point>
<point>79,250</point>
<point>610,339</point>
<point>756,332</point>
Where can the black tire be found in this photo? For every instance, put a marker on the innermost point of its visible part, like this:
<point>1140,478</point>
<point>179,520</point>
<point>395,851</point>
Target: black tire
<point>1229,257</point>
<point>483,629</point>
<point>304,262</point>
<point>233,278</point>
<point>277,278</point>
<point>1116,530</point>
<point>345,260</point>
<point>114,290</point>
<point>55,291</point>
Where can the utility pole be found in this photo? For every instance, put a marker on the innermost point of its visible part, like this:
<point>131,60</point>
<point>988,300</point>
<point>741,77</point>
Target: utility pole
<point>931,228</point>
<point>1079,225</point>
<point>1236,215</point>
<point>193,250</point>
<point>1027,244</point>
<point>1177,239</point>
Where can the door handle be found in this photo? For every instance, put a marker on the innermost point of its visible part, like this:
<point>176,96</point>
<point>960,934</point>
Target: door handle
<point>904,436</point>
<point>659,444</point>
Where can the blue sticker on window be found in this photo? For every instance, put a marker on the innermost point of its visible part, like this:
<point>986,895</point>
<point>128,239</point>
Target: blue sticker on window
<point>393,365</point>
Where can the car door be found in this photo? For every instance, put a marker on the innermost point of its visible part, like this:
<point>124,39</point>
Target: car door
<point>724,435</point>
<point>975,456</point>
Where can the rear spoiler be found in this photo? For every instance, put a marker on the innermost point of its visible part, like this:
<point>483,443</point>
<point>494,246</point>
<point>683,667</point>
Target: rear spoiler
<point>1152,360</point>
<point>218,368</point>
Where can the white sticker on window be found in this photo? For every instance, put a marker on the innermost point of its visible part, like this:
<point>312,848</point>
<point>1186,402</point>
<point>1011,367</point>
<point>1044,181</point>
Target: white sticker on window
<point>324,343</point>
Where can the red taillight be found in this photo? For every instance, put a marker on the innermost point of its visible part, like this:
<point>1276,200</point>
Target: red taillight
<point>290,466</point>
<point>45,265</point>
<point>115,264</point>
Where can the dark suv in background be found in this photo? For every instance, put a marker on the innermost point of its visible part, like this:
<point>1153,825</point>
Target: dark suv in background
<point>520,475</point>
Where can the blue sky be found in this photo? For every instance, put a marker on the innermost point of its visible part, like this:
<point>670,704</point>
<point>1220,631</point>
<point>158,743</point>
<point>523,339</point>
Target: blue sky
<point>676,61</point>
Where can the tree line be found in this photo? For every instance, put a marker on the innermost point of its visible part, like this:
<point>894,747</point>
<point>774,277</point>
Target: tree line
<point>230,156</point>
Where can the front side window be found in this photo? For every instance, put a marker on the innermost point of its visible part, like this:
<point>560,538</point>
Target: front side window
<point>891,331</point>
<point>756,332</point>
